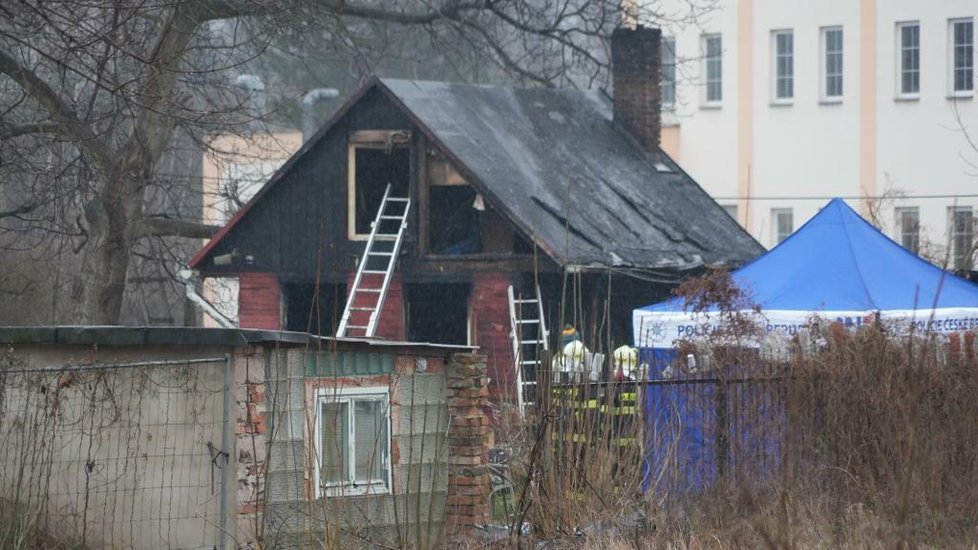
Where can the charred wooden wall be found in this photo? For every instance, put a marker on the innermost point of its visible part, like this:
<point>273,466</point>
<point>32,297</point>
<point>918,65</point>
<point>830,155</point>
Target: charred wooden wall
<point>298,229</point>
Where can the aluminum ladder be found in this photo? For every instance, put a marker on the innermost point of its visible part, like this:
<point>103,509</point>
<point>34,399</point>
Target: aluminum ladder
<point>529,334</point>
<point>366,298</point>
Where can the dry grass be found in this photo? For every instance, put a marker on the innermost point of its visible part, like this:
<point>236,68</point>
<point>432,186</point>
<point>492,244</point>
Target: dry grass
<point>877,447</point>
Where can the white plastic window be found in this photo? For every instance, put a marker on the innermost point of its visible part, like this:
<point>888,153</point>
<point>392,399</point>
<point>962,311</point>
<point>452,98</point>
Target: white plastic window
<point>668,73</point>
<point>784,65</point>
<point>962,62</point>
<point>908,41</point>
<point>782,220</point>
<point>713,68</point>
<point>353,441</point>
<point>832,63</point>
<point>908,224</point>
<point>962,226</point>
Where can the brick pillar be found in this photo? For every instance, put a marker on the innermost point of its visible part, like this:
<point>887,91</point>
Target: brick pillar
<point>251,445</point>
<point>468,444</point>
<point>259,301</point>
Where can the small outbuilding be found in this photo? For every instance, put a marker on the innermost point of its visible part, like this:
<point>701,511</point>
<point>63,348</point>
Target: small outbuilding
<point>128,437</point>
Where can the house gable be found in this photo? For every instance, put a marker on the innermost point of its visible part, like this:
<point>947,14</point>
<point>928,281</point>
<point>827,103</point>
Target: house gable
<point>296,225</point>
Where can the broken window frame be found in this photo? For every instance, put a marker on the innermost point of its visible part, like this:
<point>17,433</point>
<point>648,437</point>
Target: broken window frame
<point>367,139</point>
<point>425,210</point>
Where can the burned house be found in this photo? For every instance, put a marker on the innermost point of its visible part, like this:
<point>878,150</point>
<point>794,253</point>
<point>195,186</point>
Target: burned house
<point>560,195</point>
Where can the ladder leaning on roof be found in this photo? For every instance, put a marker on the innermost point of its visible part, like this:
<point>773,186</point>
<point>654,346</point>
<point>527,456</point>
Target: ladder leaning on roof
<point>528,332</point>
<point>379,259</point>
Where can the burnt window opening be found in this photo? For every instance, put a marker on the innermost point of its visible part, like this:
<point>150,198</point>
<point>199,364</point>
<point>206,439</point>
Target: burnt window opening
<point>438,313</point>
<point>455,224</point>
<point>521,245</point>
<point>373,166</point>
<point>455,210</point>
<point>314,310</point>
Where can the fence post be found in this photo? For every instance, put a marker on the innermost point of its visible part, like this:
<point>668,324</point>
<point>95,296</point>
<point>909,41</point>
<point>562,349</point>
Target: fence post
<point>723,424</point>
<point>226,482</point>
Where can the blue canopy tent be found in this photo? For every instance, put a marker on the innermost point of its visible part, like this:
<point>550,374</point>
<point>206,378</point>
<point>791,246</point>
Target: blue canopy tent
<point>837,267</point>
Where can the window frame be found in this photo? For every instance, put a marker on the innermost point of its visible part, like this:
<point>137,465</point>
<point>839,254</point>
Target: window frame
<point>351,395</point>
<point>776,226</point>
<point>824,95</point>
<point>706,100</point>
<point>902,229</point>
<point>902,94</point>
<point>955,254</point>
<point>668,45</point>
<point>777,77</point>
<point>952,69</point>
<point>368,139</point>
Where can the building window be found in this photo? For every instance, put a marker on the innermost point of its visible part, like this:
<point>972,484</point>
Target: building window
<point>908,225</point>
<point>784,66</point>
<point>731,210</point>
<point>783,223</point>
<point>352,441</point>
<point>962,35</point>
<point>962,224</point>
<point>832,63</point>
<point>908,50</point>
<point>713,68</point>
<point>668,73</point>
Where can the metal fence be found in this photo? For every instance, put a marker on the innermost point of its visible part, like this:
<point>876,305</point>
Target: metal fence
<point>115,455</point>
<point>704,430</point>
<point>684,434</point>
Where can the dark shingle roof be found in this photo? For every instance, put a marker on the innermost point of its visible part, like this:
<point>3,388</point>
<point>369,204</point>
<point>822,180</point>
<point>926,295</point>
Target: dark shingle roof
<point>553,161</point>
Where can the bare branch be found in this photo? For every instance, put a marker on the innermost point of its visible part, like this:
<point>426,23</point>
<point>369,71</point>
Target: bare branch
<point>23,209</point>
<point>209,10</point>
<point>58,110</point>
<point>206,10</point>
<point>153,127</point>
<point>11,132</point>
<point>169,227</point>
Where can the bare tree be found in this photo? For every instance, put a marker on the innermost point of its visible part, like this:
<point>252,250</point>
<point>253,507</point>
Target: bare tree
<point>96,95</point>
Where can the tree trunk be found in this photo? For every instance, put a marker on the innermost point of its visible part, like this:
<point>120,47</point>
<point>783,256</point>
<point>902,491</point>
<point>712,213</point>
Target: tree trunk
<point>100,285</point>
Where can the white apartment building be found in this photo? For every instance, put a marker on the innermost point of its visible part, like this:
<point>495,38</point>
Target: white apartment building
<point>775,106</point>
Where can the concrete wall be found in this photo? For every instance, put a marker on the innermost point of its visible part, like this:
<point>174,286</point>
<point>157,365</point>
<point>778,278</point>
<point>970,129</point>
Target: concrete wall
<point>113,456</point>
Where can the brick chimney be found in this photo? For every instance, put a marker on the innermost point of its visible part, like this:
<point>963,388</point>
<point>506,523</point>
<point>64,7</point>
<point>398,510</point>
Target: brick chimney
<point>635,73</point>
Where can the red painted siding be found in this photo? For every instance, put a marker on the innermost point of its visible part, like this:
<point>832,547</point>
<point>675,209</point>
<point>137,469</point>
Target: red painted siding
<point>391,322</point>
<point>260,301</point>
<point>490,331</point>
